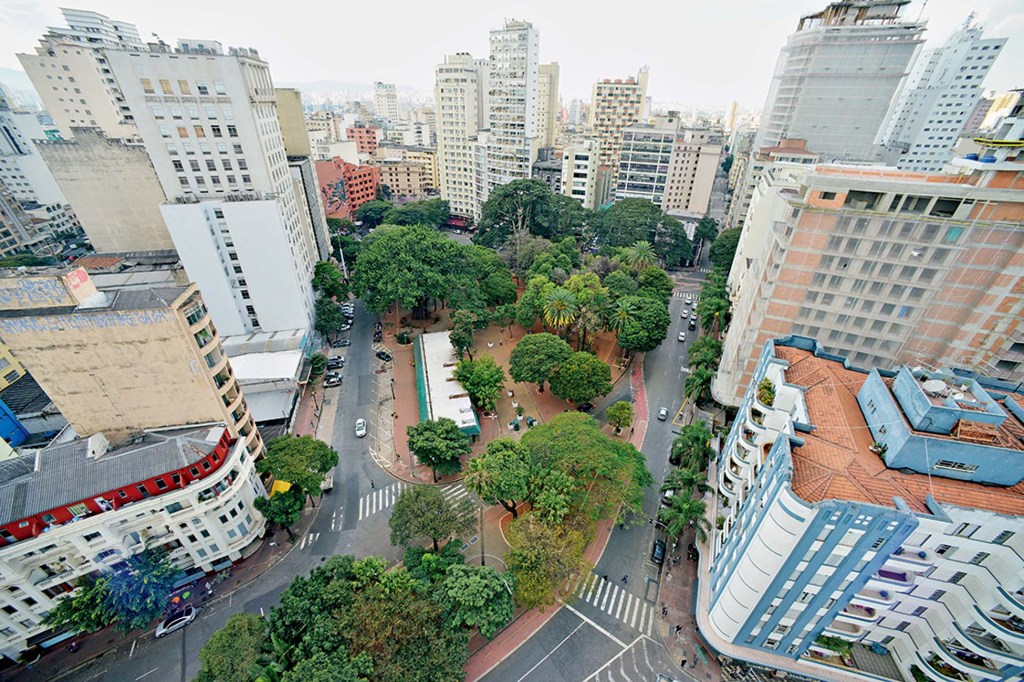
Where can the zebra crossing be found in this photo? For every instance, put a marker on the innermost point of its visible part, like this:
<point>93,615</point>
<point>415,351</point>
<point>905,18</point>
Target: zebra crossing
<point>617,602</point>
<point>384,498</point>
<point>308,539</point>
<point>683,293</point>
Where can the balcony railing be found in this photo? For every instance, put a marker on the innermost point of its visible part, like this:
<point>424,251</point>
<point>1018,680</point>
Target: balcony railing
<point>861,612</point>
<point>957,655</point>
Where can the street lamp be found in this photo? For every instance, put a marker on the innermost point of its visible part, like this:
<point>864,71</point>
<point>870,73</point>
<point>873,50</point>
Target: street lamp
<point>483,562</point>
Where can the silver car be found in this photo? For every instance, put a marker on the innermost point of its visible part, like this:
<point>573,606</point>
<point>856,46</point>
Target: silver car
<point>360,428</point>
<point>177,621</point>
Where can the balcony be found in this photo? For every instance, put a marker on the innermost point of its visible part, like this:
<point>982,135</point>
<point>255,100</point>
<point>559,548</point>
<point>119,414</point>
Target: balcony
<point>986,645</point>
<point>938,669</point>
<point>1003,625</point>
<point>963,659</point>
<point>1012,602</point>
<point>879,596</point>
<point>894,576</point>
<point>868,613</point>
<point>845,629</point>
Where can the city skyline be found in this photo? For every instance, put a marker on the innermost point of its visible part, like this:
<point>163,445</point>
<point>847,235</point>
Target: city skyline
<point>576,40</point>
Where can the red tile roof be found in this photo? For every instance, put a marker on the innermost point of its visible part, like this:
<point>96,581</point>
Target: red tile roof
<point>835,463</point>
<point>98,262</point>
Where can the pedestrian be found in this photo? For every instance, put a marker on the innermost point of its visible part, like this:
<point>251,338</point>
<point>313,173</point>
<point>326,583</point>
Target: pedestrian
<point>604,577</point>
<point>625,579</point>
<point>501,342</point>
<point>682,663</point>
<point>679,629</point>
<point>664,611</point>
<point>632,429</point>
<point>372,486</point>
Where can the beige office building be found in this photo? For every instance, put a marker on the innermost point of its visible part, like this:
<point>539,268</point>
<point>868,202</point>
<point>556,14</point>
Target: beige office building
<point>883,267</point>
<point>122,361</point>
<point>461,102</point>
<point>548,105</point>
<point>616,104</point>
<point>696,155</point>
<point>406,179</point>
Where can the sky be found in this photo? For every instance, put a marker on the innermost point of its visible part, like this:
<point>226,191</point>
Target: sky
<point>700,52</point>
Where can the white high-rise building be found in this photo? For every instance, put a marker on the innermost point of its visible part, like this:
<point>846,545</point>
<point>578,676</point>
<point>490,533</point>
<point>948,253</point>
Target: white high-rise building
<point>385,98</point>
<point>548,106</point>
<point>940,95</point>
<point>836,77</point>
<point>209,122</point>
<point>579,172</point>
<point>514,71</point>
<point>460,96</point>
<point>22,169</point>
<point>73,78</point>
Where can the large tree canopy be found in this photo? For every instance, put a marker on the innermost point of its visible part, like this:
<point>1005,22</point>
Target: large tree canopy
<point>646,326</point>
<point>581,378</point>
<point>423,511</point>
<point>536,358</point>
<point>371,214</point>
<point>439,444</point>
<point>522,208</point>
<point>723,249</point>
<point>626,222</point>
<point>302,461</point>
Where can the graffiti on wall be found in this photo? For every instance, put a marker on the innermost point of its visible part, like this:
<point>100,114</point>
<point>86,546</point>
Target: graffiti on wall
<point>100,320</point>
<point>33,292</point>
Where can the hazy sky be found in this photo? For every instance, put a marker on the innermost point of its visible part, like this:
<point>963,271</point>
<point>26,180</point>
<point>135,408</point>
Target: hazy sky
<point>699,52</point>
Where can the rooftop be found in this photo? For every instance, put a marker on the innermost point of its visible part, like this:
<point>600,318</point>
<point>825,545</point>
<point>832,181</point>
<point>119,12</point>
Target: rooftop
<point>65,473</point>
<point>440,395</point>
<point>25,396</point>
<point>835,463</point>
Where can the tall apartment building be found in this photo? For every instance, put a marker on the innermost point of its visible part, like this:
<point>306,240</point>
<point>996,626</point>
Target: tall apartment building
<point>579,171</point>
<point>512,141</point>
<point>696,155</point>
<point>672,167</point>
<point>22,169</point>
<point>365,136</point>
<point>754,164</point>
<point>548,105</point>
<point>209,122</point>
<point>881,508</point>
<point>836,77</point>
<point>461,100</point>
<point>615,105</point>
<point>886,267</point>
<point>73,78</point>
<point>940,95</point>
<point>385,99</point>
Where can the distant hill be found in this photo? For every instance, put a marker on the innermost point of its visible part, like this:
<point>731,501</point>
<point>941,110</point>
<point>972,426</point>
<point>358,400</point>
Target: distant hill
<point>17,82</point>
<point>335,86</point>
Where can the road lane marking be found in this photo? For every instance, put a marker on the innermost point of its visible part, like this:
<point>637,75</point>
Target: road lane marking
<point>550,653</point>
<point>144,674</point>
<point>596,626</point>
<point>618,611</point>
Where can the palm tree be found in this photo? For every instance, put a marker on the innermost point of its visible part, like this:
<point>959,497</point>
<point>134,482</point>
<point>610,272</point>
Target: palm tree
<point>621,314</point>
<point>698,383</point>
<point>706,351</point>
<point>685,479</point>
<point>640,256</point>
<point>560,308</point>
<point>683,513</point>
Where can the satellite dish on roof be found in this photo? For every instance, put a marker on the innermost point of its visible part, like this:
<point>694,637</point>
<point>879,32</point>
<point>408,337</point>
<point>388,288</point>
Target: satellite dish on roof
<point>933,386</point>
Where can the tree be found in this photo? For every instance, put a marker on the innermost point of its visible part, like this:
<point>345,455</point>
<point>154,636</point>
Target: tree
<point>501,475</point>
<point>531,304</point>
<point>461,335</point>
<point>673,245</point>
<point>640,255</point>
<point>483,379</point>
<point>371,214</point>
<point>424,512</point>
<point>318,363</point>
<point>620,284</point>
<point>621,314</point>
<point>541,558</point>
<point>140,587</point>
<point>626,222</point>
<point>647,324</point>
<point>537,357</point>
<point>620,414</point>
<point>505,315</point>
<point>432,212</point>
<point>581,378</point>
<point>26,260</point>
<point>727,164</point>
<point>87,610</point>
<point>683,513</point>
<point>568,218</point>
<point>384,192</point>
<point>706,230</point>
<point>560,308</point>
<point>478,596</point>
<point>328,280</point>
<point>328,318</point>
<point>301,461</point>
<point>439,444</point>
<point>337,226</point>
<point>723,249</point>
<point>655,283</point>
<point>709,307</point>
<point>229,654</point>
<point>284,508</point>
<point>705,352</point>
<point>698,384</point>
<point>692,447</point>
<point>686,481</point>
<point>498,288</point>
<point>516,209</point>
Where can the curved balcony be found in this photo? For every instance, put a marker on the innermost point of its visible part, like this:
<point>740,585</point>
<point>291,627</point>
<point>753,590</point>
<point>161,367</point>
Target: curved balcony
<point>201,323</point>
<point>860,612</point>
<point>937,669</point>
<point>846,629</point>
<point>748,439</point>
<point>1002,626</point>
<point>883,597</point>
<point>727,487</point>
<point>232,403</point>
<point>987,646</point>
<point>1012,604</point>
<point>741,454</point>
<point>216,364</point>
<point>754,422</point>
<point>967,662</point>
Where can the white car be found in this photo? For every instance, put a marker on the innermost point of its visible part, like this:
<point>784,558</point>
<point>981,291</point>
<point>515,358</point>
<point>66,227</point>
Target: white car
<point>682,336</point>
<point>663,414</point>
<point>177,621</point>
<point>360,428</point>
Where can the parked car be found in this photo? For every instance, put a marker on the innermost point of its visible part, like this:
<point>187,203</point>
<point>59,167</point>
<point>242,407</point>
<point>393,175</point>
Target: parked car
<point>692,325</point>
<point>341,343</point>
<point>663,414</point>
<point>377,337</point>
<point>584,407</point>
<point>693,317</point>
<point>328,483</point>
<point>177,621</point>
<point>684,313</point>
<point>674,457</point>
<point>682,336</point>
<point>345,327</point>
<point>331,382</point>
<point>658,552</point>
<point>360,428</point>
<point>666,497</point>
<point>383,355</point>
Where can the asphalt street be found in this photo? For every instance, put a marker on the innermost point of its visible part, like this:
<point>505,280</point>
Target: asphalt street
<point>338,528</point>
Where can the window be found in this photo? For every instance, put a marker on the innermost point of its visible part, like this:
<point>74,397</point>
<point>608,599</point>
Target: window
<point>827,196</point>
<point>216,131</point>
<point>161,484</point>
<point>165,86</point>
<point>182,131</point>
<point>147,86</point>
<point>199,131</point>
<point>955,466</point>
<point>89,537</point>
<point>218,88</point>
<point>183,87</point>
<point>919,610</point>
<point>176,507</point>
<point>957,577</point>
<point>1003,537</point>
<point>979,558</point>
<point>232,131</point>
<point>201,88</point>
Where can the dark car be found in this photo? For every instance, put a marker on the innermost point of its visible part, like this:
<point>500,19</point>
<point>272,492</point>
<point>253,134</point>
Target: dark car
<point>383,355</point>
<point>658,552</point>
<point>377,337</point>
<point>674,457</point>
<point>692,325</point>
<point>584,407</point>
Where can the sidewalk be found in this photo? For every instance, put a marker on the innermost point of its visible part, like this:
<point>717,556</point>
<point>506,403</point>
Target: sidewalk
<point>506,642</point>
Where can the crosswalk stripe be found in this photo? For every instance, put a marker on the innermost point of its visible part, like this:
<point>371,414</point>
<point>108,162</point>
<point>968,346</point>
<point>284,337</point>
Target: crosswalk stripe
<point>606,595</point>
<point>630,608</point>
<point>361,500</point>
<point>636,611</point>
<point>650,622</point>
<point>618,610</point>
<point>593,584</point>
<point>611,604</point>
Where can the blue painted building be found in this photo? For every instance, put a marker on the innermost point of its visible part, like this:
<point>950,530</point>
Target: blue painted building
<point>827,537</point>
<point>11,430</point>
